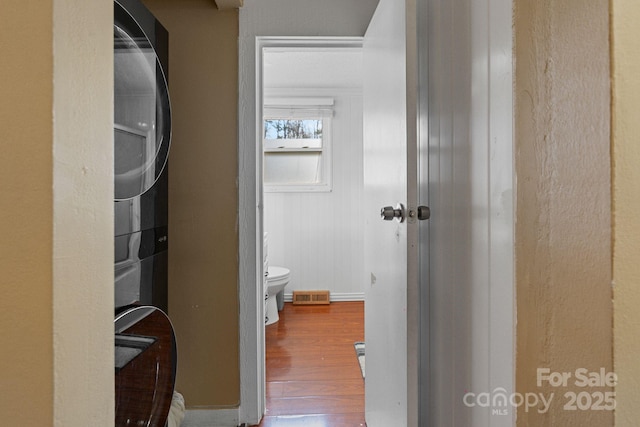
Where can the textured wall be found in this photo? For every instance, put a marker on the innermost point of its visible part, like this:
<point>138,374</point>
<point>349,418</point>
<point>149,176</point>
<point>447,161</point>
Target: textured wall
<point>203,200</point>
<point>56,213</point>
<point>26,210</point>
<point>563,249</point>
<point>626,205</point>
<point>83,213</point>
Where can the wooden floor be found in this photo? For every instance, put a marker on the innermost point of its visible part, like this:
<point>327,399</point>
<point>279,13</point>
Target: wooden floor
<point>313,375</point>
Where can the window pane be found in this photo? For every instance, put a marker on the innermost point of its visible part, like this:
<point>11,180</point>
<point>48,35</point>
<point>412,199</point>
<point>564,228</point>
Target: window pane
<point>293,129</point>
<point>293,168</point>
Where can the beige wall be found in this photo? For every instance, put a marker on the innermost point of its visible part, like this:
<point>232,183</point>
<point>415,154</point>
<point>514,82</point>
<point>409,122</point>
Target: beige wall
<point>203,254</point>
<point>563,233</point>
<point>56,213</point>
<point>26,212</point>
<point>626,205</point>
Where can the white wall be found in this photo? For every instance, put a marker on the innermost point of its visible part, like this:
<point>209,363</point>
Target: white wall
<point>319,236</point>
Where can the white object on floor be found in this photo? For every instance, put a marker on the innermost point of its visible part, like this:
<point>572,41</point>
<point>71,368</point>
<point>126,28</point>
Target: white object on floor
<point>177,410</point>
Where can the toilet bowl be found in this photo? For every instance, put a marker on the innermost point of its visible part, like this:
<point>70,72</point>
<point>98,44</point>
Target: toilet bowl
<point>277,279</point>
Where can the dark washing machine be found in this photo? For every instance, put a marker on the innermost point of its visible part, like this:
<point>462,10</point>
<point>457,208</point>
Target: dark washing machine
<point>142,135</point>
<point>145,345</point>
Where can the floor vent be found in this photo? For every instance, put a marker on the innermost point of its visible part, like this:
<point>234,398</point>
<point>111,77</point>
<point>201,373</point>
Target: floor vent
<point>310,297</point>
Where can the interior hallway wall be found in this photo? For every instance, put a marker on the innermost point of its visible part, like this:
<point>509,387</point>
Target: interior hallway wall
<point>26,213</point>
<point>563,231</point>
<point>203,198</point>
<point>56,213</point>
<point>626,205</point>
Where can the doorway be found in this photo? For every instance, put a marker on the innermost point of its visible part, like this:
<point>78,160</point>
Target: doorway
<point>323,21</point>
<point>469,146</point>
<point>302,179</point>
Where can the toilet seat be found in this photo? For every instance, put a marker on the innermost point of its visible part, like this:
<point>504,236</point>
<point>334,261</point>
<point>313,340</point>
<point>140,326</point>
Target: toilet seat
<point>276,275</point>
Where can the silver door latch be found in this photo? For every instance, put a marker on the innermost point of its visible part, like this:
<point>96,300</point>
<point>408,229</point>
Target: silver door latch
<point>421,213</point>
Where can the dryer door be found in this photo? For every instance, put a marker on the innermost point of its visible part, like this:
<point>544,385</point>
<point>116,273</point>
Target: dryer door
<point>142,113</point>
<point>145,367</point>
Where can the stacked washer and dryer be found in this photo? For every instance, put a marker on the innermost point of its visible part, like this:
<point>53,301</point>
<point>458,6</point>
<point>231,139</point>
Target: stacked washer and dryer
<point>146,354</point>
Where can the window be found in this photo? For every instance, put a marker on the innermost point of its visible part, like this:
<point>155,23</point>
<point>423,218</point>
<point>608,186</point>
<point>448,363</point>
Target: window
<point>296,145</point>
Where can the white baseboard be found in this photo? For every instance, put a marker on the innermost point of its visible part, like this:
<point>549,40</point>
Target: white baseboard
<point>335,297</point>
<point>211,418</point>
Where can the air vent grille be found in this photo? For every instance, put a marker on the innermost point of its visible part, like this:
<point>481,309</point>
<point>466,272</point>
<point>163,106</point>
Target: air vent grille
<point>311,297</point>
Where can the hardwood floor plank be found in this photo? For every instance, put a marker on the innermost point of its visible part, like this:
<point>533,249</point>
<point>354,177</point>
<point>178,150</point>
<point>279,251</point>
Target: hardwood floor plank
<point>326,373</point>
<point>315,405</point>
<point>321,388</point>
<point>328,363</point>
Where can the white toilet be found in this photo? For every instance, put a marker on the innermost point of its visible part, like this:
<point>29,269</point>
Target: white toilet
<point>276,278</point>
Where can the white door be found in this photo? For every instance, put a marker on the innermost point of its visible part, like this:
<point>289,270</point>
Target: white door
<point>391,370</point>
<point>458,310</point>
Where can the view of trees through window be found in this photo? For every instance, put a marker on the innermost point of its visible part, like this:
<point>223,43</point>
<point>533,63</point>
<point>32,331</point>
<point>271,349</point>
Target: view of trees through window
<point>293,129</point>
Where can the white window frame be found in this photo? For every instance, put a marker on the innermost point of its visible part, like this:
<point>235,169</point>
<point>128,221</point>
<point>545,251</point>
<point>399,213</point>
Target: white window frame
<point>301,108</point>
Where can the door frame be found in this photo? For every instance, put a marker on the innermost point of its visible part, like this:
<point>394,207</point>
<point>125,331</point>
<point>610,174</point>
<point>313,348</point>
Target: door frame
<point>468,105</point>
<point>251,231</point>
